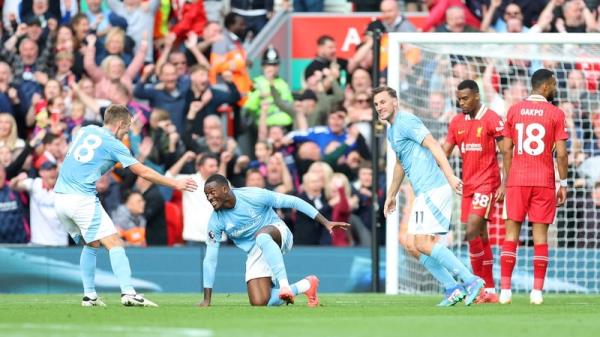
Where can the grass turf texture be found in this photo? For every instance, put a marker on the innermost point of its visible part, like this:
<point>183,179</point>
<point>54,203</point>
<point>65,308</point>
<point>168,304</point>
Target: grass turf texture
<point>339,315</point>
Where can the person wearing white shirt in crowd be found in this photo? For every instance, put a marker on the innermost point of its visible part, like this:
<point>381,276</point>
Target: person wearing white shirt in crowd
<point>196,208</point>
<point>46,229</point>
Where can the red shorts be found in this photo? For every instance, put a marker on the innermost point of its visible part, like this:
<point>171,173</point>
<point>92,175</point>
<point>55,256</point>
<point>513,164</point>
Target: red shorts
<point>479,203</point>
<point>536,202</point>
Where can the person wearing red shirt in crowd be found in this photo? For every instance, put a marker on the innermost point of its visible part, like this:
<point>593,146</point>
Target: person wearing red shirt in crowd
<point>534,128</point>
<point>437,13</point>
<point>191,17</point>
<point>476,132</point>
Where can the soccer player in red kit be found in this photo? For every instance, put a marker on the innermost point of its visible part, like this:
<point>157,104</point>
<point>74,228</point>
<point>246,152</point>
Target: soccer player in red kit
<point>476,132</point>
<point>534,128</point>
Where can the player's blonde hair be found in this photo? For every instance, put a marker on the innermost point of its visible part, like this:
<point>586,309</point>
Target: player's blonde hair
<point>116,113</point>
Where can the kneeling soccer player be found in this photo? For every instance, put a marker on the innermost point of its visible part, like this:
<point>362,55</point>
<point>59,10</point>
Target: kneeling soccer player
<point>246,215</point>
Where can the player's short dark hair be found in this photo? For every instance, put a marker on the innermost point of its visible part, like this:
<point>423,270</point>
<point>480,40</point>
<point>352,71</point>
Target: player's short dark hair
<point>116,113</point>
<point>468,84</point>
<point>230,19</point>
<point>540,77</point>
<point>324,39</point>
<point>205,157</point>
<point>217,179</point>
<point>383,88</point>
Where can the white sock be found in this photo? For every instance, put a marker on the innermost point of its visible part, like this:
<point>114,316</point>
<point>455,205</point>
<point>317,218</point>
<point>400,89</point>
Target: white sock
<point>490,290</point>
<point>284,283</point>
<point>91,296</point>
<point>302,286</point>
<point>536,292</point>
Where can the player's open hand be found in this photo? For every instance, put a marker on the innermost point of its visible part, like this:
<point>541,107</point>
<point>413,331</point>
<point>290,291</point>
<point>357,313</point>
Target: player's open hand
<point>333,224</point>
<point>389,207</point>
<point>188,185</point>
<point>500,192</point>
<point>456,184</point>
<point>561,196</point>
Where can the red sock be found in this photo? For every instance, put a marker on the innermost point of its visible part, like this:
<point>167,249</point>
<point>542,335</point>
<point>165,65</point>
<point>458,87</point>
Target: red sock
<point>508,259</point>
<point>540,264</point>
<point>476,254</point>
<point>487,264</point>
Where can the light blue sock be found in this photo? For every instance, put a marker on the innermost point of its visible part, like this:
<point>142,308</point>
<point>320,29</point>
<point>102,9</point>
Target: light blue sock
<point>87,264</point>
<point>121,269</point>
<point>274,257</point>
<point>440,273</point>
<point>448,260</point>
<point>275,301</point>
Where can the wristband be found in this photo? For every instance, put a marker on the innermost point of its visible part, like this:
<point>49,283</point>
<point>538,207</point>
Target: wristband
<point>563,183</point>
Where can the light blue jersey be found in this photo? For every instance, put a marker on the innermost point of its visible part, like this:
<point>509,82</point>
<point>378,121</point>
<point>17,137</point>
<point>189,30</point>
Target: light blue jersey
<point>405,135</point>
<point>253,210</point>
<point>94,151</point>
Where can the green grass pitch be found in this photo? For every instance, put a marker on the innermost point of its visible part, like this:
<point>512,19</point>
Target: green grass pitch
<point>344,315</point>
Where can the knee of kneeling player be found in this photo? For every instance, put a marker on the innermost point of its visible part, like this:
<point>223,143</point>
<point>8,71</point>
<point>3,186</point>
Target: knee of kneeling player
<point>259,302</point>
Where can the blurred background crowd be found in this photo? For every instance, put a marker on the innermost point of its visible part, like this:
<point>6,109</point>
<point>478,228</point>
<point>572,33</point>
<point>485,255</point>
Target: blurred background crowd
<point>181,67</point>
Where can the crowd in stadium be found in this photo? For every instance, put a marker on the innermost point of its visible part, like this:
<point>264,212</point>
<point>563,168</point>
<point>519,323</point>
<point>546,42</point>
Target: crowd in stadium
<point>197,111</point>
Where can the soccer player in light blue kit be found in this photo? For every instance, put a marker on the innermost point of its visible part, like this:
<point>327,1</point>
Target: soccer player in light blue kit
<point>93,152</point>
<point>421,158</point>
<point>246,215</point>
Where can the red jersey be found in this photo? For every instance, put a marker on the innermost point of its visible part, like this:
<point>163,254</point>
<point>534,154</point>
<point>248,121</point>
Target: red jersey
<point>476,139</point>
<point>534,125</point>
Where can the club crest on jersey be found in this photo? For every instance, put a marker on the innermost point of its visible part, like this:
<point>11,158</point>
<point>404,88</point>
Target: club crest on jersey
<point>211,236</point>
<point>479,129</point>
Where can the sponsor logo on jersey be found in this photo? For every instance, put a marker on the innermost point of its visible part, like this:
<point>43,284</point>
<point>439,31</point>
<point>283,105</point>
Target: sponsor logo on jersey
<point>460,132</point>
<point>470,147</point>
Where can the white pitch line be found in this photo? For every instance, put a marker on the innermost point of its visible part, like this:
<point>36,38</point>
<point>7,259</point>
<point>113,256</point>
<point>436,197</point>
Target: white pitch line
<point>46,330</point>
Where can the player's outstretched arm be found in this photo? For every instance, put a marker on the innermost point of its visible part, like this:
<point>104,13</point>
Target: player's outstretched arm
<point>149,174</point>
<point>390,199</point>
<point>562,160</point>
<point>209,269</point>
<point>440,157</point>
<point>447,147</point>
<point>279,200</point>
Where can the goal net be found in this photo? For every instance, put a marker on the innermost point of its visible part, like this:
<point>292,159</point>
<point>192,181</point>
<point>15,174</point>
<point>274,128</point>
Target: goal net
<point>425,69</point>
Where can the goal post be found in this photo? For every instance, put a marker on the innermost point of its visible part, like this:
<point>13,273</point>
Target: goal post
<point>424,69</point>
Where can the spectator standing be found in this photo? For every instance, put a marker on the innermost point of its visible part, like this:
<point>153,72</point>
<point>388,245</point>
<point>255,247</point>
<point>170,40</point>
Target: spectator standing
<point>256,13</point>
<point>46,229</point>
<point>140,19</point>
<point>196,208</point>
<point>12,219</point>
<point>228,55</point>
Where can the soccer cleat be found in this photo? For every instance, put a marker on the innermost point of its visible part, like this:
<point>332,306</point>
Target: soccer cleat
<point>453,296</point>
<point>535,297</point>
<point>92,302</point>
<point>311,293</point>
<point>286,295</point>
<point>136,300</point>
<point>505,296</point>
<point>473,290</point>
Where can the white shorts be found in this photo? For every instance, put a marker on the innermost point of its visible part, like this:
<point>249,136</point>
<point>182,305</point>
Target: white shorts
<point>83,217</point>
<point>256,265</point>
<point>431,212</point>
